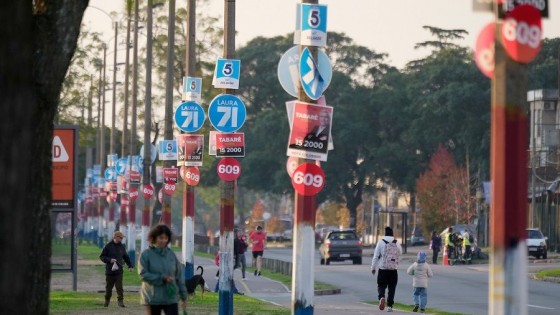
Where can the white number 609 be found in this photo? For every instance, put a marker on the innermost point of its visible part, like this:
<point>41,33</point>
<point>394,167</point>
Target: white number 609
<point>308,179</point>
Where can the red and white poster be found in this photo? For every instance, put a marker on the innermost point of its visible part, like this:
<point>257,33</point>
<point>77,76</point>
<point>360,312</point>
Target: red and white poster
<point>190,149</point>
<point>64,167</point>
<point>310,131</point>
<point>230,144</point>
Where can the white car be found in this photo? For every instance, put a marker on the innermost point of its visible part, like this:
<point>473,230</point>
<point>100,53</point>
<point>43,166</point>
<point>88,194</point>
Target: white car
<point>536,243</point>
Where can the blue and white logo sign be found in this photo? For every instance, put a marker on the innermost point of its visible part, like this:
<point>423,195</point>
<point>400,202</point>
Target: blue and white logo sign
<point>111,174</point>
<point>192,89</point>
<point>227,113</point>
<point>312,81</point>
<point>168,150</point>
<point>288,70</point>
<point>189,117</point>
<point>121,166</point>
<point>226,74</point>
<point>313,25</point>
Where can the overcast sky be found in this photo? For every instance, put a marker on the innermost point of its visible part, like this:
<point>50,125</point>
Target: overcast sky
<point>389,26</point>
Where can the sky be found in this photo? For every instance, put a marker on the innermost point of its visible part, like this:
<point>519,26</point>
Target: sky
<point>389,26</point>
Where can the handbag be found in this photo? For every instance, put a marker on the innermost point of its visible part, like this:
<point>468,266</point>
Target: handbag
<point>115,266</point>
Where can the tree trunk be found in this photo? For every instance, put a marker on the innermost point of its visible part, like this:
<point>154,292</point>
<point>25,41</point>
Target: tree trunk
<point>39,40</point>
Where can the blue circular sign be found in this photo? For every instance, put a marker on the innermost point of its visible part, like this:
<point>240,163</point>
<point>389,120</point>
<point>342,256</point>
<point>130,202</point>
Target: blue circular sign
<point>227,113</point>
<point>288,70</point>
<point>189,117</point>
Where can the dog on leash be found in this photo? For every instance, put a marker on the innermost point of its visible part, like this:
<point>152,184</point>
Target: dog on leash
<point>195,281</point>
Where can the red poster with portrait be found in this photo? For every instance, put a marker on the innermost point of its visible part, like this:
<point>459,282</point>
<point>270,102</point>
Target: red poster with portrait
<point>310,131</point>
<point>190,149</point>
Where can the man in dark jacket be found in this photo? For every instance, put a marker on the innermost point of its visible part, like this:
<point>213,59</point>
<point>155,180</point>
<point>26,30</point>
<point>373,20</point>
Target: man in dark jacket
<point>114,256</point>
<point>239,248</point>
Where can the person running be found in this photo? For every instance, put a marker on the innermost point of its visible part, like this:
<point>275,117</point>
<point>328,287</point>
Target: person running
<point>114,256</point>
<point>386,257</point>
<point>239,248</point>
<point>420,272</point>
<point>258,241</point>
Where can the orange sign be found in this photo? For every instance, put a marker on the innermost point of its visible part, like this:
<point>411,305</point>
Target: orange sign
<point>63,167</point>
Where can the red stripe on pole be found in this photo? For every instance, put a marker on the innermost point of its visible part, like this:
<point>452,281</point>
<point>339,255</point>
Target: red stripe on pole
<point>188,201</point>
<point>305,209</point>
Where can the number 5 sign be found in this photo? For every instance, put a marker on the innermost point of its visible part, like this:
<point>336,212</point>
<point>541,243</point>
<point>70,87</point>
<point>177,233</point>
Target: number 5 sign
<point>226,74</point>
<point>308,179</point>
<point>313,25</point>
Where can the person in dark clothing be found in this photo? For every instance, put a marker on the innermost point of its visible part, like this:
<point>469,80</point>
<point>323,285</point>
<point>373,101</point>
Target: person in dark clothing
<point>435,246</point>
<point>239,248</point>
<point>386,258</point>
<point>114,256</point>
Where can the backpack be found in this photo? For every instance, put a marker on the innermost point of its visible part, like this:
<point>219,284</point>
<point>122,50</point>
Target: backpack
<point>471,238</point>
<point>390,255</point>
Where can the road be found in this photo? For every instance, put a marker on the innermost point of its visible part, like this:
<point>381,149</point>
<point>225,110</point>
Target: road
<point>461,288</point>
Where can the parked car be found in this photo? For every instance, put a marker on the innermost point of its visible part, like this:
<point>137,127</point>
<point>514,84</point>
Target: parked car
<point>417,238</point>
<point>341,245</point>
<point>536,243</point>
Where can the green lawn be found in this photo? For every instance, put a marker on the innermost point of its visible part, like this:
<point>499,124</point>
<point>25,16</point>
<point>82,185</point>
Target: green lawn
<point>548,273</point>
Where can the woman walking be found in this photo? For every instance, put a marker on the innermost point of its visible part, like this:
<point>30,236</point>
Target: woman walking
<point>435,245</point>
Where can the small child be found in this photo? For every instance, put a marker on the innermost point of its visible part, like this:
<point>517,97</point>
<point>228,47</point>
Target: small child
<point>420,271</point>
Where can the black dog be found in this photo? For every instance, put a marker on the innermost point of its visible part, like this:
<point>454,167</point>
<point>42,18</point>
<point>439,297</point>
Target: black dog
<point>196,280</point>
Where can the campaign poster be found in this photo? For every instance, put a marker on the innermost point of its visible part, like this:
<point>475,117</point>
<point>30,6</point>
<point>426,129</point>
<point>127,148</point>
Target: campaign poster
<point>310,131</point>
<point>190,149</point>
<point>230,144</point>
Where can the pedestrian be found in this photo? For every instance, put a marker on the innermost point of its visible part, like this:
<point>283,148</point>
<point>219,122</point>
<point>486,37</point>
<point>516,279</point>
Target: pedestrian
<point>468,239</point>
<point>435,246</point>
<point>420,272</point>
<point>114,256</point>
<point>386,257</point>
<point>449,240</point>
<point>258,241</point>
<point>163,281</point>
<point>239,248</point>
<point>217,287</point>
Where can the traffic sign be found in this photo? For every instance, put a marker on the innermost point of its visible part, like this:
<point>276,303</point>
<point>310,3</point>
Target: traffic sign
<point>522,32</point>
<point>153,153</point>
<point>288,70</point>
<point>192,89</point>
<point>313,24</point>
<point>168,150</point>
<point>121,165</point>
<point>312,81</point>
<point>189,116</point>
<point>226,74</point>
<point>191,175</point>
<point>133,193</point>
<point>228,169</point>
<point>169,188</point>
<point>308,179</point>
<point>227,113</point>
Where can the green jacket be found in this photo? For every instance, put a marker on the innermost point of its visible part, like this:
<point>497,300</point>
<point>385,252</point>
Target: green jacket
<point>154,264</point>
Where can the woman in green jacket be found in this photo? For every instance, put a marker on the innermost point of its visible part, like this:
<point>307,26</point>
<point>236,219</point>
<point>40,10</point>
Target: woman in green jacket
<point>161,274</point>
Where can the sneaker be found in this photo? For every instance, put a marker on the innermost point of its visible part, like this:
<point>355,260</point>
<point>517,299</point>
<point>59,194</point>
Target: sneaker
<point>382,303</point>
<point>243,279</point>
<point>415,309</point>
<point>389,309</point>
<point>258,274</point>
<point>106,304</point>
<point>121,304</point>
<point>255,273</point>
<point>422,311</point>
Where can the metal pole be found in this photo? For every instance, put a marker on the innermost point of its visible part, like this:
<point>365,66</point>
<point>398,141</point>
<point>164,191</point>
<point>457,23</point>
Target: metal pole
<point>168,133</point>
<point>113,129</point>
<point>227,188</point>
<point>304,236</point>
<point>508,170</point>
<point>132,202</point>
<point>188,191</point>
<point>147,125</point>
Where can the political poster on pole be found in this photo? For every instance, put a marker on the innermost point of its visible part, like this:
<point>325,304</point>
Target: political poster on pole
<point>230,144</point>
<point>310,131</point>
<point>190,148</point>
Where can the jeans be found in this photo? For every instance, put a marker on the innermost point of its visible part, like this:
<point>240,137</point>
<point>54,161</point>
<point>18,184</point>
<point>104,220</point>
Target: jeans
<point>435,256</point>
<point>241,261</point>
<point>420,297</point>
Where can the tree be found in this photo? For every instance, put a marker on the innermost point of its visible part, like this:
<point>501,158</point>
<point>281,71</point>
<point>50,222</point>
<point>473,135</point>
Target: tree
<point>39,40</point>
<point>443,193</point>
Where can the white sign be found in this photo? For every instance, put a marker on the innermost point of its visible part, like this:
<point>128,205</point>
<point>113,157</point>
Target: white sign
<point>313,25</point>
<point>59,153</point>
<point>192,89</point>
<point>226,74</point>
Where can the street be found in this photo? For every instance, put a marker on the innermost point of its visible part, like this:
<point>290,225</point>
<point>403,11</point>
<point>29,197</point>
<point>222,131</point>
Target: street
<point>460,288</point>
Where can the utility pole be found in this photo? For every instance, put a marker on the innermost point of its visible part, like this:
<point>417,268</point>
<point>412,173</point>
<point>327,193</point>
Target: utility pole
<point>188,190</point>
<point>227,188</point>
<point>147,125</point>
<point>113,130</point>
<point>101,205</point>
<point>508,171</point>
<point>168,133</point>
<point>132,201</point>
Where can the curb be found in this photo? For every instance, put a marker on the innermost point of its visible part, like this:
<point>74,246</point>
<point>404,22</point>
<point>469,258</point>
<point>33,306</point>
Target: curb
<point>328,292</point>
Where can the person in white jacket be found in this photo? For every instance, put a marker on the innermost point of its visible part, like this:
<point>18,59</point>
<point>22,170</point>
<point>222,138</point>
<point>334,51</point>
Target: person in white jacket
<point>420,271</point>
<point>386,257</point>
